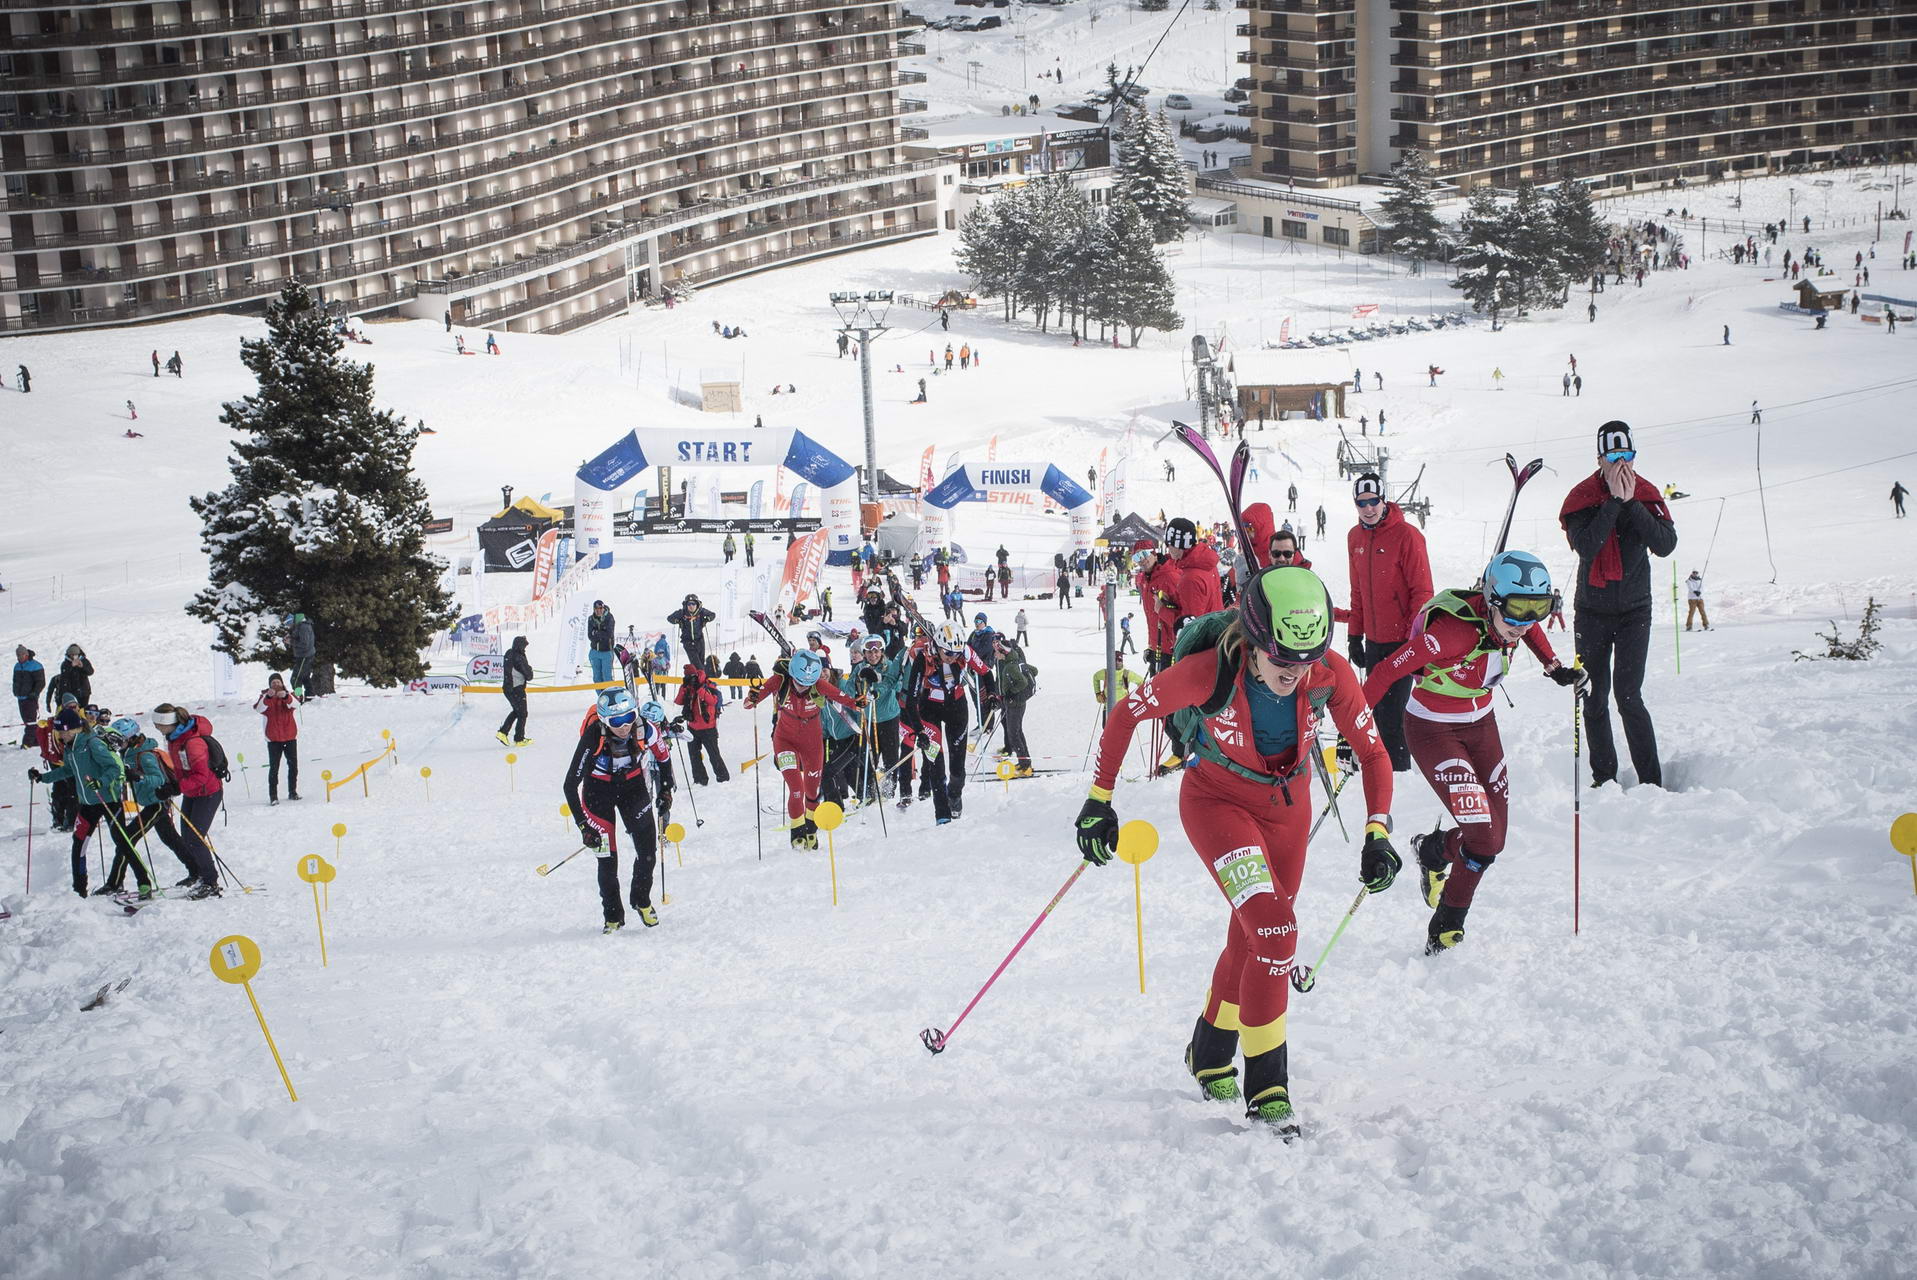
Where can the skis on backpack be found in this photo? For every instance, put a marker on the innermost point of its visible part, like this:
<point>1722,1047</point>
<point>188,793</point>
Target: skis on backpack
<point>1232,481</point>
<point>1518,477</point>
<point>778,636</point>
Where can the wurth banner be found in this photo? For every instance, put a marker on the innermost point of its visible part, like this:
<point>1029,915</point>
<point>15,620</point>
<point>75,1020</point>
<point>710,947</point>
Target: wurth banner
<point>802,560</point>
<point>544,560</point>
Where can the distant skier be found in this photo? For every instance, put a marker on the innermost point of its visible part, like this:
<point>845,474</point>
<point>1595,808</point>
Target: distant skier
<point>692,619</point>
<point>513,681</point>
<point>1694,594</point>
<point>1897,495</point>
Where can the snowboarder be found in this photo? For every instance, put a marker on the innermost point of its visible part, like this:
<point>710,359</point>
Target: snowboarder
<point>276,705</point>
<point>605,785</point>
<point>600,629</point>
<point>700,703</point>
<point>692,619</point>
<point>513,681</point>
<point>1452,723</point>
<point>798,742</point>
<point>1266,678</point>
<point>1897,495</point>
<point>1694,595</point>
<point>1390,576</point>
<point>1612,519</point>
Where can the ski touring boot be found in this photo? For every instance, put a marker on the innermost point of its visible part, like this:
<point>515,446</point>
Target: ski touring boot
<point>648,916</point>
<point>806,835</point>
<point>504,741</point>
<point>612,926</point>
<point>1209,1046</point>
<point>523,742</point>
<point>1433,867</point>
<point>1024,771</point>
<point>1445,931</point>
<point>1268,1094</point>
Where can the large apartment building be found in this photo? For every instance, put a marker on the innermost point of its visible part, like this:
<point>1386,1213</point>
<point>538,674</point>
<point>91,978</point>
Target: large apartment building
<point>524,164</point>
<point>1613,91</point>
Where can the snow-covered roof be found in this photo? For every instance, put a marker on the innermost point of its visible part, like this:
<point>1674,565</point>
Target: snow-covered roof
<point>1290,368</point>
<point>968,130</point>
<point>1207,207</point>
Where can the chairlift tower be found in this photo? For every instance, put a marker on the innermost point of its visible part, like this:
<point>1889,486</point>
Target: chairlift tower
<point>864,314</point>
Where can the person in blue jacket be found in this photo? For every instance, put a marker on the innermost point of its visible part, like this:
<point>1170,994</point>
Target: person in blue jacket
<point>29,682</point>
<point>93,764</point>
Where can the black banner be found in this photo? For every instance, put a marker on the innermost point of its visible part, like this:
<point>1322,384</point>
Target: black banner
<point>624,525</point>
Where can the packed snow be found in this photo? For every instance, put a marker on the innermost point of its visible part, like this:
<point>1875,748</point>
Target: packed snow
<point>1717,1075</point>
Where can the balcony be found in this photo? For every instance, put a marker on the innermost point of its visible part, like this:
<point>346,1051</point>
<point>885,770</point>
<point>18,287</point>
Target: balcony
<point>832,244</point>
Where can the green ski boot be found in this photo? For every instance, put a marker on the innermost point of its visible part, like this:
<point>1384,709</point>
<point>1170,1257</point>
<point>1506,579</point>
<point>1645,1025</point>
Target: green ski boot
<point>612,926</point>
<point>1445,931</point>
<point>1433,867</point>
<point>1209,1059</point>
<point>1273,1108</point>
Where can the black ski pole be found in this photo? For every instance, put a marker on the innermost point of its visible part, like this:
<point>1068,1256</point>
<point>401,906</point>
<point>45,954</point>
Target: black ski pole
<point>685,769</point>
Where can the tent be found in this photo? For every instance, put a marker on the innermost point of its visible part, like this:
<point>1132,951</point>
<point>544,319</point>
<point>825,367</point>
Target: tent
<point>510,540</point>
<point>898,535</point>
<point>892,487</point>
<point>1129,530</point>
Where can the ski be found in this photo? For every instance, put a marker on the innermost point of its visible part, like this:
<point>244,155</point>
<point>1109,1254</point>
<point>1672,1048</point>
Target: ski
<point>1519,475</point>
<point>1232,483</point>
<point>778,636</point>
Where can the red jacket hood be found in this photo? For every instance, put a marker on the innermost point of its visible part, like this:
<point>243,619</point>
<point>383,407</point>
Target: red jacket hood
<point>1260,525</point>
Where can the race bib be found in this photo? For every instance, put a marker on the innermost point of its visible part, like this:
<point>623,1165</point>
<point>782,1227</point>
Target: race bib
<point>1243,873</point>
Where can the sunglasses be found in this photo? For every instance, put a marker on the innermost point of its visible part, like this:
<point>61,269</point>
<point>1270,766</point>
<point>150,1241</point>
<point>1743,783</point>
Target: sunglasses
<point>1365,504</point>
<point>1283,555</point>
<point>1525,611</point>
<point>1620,455</point>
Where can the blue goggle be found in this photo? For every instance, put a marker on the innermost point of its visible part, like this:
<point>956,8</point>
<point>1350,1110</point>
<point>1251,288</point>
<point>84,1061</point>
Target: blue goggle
<point>623,718</point>
<point>1620,455</point>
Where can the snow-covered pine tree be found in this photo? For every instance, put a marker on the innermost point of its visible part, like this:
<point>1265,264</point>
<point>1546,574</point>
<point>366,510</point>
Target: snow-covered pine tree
<point>1135,288</point>
<point>1151,174</point>
<point>1533,238</point>
<point>324,515</point>
<point>985,254</point>
<point>1489,275</point>
<point>1415,232</point>
<point>1581,234</point>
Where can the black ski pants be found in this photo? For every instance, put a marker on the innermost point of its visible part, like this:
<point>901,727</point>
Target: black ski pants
<point>124,832</point>
<point>91,816</point>
<point>514,725</point>
<point>1011,718</point>
<point>607,803</point>
<point>1613,647</point>
<point>947,773</point>
<point>289,751</point>
<point>706,740</point>
<point>839,778</point>
<point>1390,708</point>
<point>694,644</point>
<point>886,738</point>
<point>196,816</point>
<point>158,819</point>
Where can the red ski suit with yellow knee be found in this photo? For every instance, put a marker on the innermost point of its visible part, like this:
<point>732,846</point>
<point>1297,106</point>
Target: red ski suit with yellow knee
<point>798,742</point>
<point>1250,830</point>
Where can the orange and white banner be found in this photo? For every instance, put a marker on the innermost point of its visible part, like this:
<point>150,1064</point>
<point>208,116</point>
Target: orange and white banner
<point>544,560</point>
<point>991,449</point>
<point>802,561</point>
<point>1364,309</point>
<point>926,478</point>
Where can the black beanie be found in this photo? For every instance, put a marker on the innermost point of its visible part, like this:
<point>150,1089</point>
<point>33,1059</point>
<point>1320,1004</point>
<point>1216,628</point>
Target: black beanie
<point>1368,486</point>
<point>1612,436</point>
<point>1181,533</point>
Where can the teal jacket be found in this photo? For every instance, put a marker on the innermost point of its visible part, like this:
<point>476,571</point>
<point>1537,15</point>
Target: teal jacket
<point>835,719</point>
<point>144,772</point>
<point>97,773</point>
<point>885,690</point>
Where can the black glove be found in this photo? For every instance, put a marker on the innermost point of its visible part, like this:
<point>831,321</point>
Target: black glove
<point>677,724</point>
<point>1355,646</point>
<point>1347,758</point>
<point>589,835</point>
<point>1378,864</point>
<point>1576,679</point>
<point>33,775</point>
<point>1097,830</point>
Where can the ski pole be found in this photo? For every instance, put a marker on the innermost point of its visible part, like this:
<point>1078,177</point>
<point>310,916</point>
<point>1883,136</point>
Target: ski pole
<point>936,1040</point>
<point>758,817</point>
<point>1577,804</point>
<point>1305,977</point>
<point>33,794</point>
<point>685,770</point>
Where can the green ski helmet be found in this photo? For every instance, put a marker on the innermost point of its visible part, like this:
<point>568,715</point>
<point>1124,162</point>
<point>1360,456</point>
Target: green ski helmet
<point>1286,613</point>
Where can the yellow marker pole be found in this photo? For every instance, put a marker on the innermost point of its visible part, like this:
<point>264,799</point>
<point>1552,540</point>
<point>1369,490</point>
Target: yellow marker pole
<point>1138,841</point>
<point>565,814</point>
<point>1005,771</point>
<point>326,777</point>
<point>675,834</point>
<point>828,816</point>
<point>512,757</point>
<point>317,871</point>
<point>339,833</point>
<point>425,777</point>
<point>1903,838</point>
<point>235,959</point>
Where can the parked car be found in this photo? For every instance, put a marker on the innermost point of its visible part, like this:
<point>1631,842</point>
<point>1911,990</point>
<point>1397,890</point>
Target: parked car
<point>1177,102</point>
<point>1235,94</point>
<point>1078,111</point>
<point>988,23</point>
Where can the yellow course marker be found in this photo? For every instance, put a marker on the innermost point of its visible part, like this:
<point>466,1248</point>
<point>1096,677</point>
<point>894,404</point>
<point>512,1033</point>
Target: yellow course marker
<point>339,833</point>
<point>512,758</point>
<point>317,871</point>
<point>426,778</point>
<point>565,814</point>
<point>235,959</point>
<point>1005,771</point>
<point>1903,838</point>
<point>828,816</point>
<point>1137,841</point>
<point>675,834</point>
<point>326,776</point>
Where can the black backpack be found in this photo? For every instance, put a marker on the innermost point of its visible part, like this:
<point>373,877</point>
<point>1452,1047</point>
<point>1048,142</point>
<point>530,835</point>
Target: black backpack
<point>216,758</point>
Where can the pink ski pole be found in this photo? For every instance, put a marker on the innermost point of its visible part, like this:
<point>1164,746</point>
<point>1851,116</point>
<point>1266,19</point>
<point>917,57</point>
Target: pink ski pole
<point>936,1040</point>
<point>33,793</point>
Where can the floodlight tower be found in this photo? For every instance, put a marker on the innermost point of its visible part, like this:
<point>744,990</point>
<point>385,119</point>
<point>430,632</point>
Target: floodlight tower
<point>864,314</point>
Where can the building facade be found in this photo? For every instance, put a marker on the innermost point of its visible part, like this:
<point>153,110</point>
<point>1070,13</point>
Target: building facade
<point>1616,92</point>
<point>979,157</point>
<point>529,165</point>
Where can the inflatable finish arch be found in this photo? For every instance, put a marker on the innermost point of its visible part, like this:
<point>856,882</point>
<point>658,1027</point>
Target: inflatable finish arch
<point>972,481</point>
<point>626,458</point>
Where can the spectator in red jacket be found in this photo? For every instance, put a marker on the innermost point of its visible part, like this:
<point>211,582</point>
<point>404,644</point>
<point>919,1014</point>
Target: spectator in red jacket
<point>1268,538</point>
<point>700,701</point>
<point>1390,585</point>
<point>277,703</point>
<point>1184,583</point>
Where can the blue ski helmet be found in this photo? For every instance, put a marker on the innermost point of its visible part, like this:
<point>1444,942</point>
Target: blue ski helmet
<point>805,667</point>
<point>1518,586</point>
<point>127,727</point>
<point>653,712</point>
<point>615,707</point>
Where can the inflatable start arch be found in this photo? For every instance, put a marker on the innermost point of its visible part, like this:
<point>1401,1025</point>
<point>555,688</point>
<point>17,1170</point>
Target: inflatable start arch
<point>626,458</point>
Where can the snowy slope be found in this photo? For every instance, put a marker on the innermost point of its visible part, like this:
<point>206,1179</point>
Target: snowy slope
<point>1714,1077</point>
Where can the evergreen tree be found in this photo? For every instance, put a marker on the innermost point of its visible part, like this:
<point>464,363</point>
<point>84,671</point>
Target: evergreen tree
<point>324,515</point>
<point>1135,288</point>
<point>1151,174</point>
<point>1582,236</point>
<point>1490,275</point>
<point>985,253</point>
<point>1415,231</point>
<point>1532,238</point>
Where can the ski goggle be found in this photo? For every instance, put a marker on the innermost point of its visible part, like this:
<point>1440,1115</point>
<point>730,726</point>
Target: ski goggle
<point>1365,504</point>
<point>623,719</point>
<point>1525,611</point>
<point>1620,455</point>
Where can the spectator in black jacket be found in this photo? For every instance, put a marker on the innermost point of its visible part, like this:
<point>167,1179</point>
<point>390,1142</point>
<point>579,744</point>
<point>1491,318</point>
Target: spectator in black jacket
<point>735,670</point>
<point>1613,518</point>
<point>29,682</point>
<point>512,682</point>
<point>599,632</point>
<point>692,619</point>
<point>75,676</point>
<point>754,672</point>
<point>299,636</point>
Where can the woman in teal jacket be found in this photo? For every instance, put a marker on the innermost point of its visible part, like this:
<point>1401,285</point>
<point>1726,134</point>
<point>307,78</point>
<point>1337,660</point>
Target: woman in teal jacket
<point>98,778</point>
<point>883,678</point>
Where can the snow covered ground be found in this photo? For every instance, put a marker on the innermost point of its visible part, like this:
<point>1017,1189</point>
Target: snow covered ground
<point>1715,1077</point>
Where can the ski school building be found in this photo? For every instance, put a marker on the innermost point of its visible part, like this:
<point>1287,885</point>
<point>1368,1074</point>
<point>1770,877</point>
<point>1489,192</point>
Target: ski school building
<point>979,156</point>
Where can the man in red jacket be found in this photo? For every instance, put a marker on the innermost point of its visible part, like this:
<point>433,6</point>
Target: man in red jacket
<point>1184,582</point>
<point>1390,585</point>
<point>277,704</point>
<point>700,699</point>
